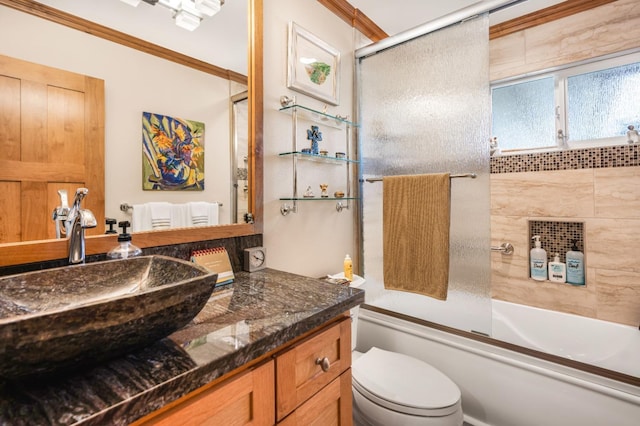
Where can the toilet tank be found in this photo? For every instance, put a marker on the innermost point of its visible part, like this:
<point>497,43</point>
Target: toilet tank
<point>357,282</point>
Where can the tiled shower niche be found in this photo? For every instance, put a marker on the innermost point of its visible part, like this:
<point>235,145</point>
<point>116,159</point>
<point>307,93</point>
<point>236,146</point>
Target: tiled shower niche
<point>556,237</point>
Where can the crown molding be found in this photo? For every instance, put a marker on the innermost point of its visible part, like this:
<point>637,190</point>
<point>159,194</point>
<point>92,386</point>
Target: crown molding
<point>355,18</point>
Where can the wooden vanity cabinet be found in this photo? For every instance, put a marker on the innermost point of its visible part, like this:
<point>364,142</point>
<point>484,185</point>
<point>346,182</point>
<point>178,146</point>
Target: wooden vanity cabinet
<point>305,383</point>
<point>314,376</point>
<point>246,399</point>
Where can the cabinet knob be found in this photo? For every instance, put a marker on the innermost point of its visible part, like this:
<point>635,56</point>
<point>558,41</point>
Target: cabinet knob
<point>323,363</point>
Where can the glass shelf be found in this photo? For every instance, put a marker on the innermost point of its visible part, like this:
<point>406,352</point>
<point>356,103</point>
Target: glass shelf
<point>317,157</point>
<point>317,198</point>
<point>319,117</point>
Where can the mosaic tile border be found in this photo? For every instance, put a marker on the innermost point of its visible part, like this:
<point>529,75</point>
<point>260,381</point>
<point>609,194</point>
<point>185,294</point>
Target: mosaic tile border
<point>590,158</point>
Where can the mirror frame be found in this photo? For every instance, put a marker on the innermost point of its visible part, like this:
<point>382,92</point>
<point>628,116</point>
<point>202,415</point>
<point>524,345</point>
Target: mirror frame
<point>43,250</point>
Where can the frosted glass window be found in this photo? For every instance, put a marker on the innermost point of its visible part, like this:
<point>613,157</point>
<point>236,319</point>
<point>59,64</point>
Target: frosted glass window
<point>602,104</point>
<point>523,114</point>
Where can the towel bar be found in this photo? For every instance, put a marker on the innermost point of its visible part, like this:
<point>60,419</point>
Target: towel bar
<point>461,175</point>
<point>124,207</point>
<point>504,248</point>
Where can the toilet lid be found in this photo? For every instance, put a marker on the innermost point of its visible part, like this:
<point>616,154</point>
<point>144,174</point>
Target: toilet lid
<point>402,383</point>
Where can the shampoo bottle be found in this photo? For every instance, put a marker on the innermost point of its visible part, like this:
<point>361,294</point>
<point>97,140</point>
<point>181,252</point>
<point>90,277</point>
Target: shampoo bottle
<point>538,261</point>
<point>348,268</point>
<point>124,249</point>
<point>575,265</point>
<point>557,270</point>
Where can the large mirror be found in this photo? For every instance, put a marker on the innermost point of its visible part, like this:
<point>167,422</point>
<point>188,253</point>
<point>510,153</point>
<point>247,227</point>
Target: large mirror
<point>235,82</point>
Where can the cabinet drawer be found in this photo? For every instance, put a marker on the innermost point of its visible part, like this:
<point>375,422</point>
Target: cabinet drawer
<point>244,400</point>
<point>331,406</point>
<point>311,365</point>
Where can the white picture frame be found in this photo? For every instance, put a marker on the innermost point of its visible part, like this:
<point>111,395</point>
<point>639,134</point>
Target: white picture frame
<point>313,66</point>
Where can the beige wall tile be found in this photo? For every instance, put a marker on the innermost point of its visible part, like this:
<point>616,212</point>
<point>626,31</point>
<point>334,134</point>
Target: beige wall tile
<point>613,27</point>
<point>579,300</point>
<point>505,54</point>
<point>617,192</point>
<point>613,244</point>
<point>618,296</point>
<point>564,193</point>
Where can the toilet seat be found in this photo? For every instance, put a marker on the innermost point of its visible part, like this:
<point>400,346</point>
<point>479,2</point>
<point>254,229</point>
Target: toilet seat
<point>404,384</point>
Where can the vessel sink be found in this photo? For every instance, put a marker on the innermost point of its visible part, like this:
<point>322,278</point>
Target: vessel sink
<point>78,315</point>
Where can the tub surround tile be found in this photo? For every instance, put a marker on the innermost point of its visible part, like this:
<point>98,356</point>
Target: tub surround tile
<point>617,192</point>
<point>610,208</point>
<point>609,28</point>
<point>540,194</point>
<point>618,296</point>
<point>258,313</point>
<point>613,244</point>
<point>579,300</point>
<point>618,156</point>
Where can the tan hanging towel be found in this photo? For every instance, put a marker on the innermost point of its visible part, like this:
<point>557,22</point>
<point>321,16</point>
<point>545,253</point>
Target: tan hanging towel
<point>415,222</point>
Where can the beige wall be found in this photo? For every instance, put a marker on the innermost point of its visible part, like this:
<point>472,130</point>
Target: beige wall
<point>314,240</point>
<point>607,200</point>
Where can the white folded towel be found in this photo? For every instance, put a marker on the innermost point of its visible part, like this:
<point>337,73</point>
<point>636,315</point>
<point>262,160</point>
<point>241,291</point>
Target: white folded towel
<point>160,213</point>
<point>203,213</point>
<point>140,218</point>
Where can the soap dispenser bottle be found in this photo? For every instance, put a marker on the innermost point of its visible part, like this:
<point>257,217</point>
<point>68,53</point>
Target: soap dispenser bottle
<point>124,249</point>
<point>557,270</point>
<point>575,265</point>
<point>538,260</point>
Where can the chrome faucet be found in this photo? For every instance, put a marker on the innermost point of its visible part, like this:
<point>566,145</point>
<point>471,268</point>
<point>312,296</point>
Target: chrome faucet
<point>77,220</point>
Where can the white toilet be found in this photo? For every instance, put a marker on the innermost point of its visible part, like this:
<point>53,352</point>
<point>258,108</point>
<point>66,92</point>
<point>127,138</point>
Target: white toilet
<point>390,388</point>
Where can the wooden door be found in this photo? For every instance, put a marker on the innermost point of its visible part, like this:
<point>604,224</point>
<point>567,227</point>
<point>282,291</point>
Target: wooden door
<point>52,137</point>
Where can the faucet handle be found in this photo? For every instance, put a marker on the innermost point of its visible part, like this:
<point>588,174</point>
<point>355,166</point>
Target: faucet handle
<point>80,194</point>
<point>64,200</point>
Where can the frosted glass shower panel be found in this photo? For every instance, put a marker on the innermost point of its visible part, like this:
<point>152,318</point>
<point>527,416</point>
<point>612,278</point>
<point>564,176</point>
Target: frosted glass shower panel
<point>424,108</point>
<point>602,104</point>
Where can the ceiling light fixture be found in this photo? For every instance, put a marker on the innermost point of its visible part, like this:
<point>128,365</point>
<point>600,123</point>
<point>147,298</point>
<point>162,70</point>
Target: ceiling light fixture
<point>187,13</point>
<point>209,7</point>
<point>186,20</point>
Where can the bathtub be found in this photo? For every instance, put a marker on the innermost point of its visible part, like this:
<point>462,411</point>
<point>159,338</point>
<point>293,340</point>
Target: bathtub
<point>604,344</point>
<point>501,387</point>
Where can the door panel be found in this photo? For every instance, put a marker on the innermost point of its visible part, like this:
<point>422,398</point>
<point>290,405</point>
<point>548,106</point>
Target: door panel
<point>52,135</point>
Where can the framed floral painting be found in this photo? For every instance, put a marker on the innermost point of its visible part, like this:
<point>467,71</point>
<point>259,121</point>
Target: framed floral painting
<point>173,153</point>
<point>313,65</point>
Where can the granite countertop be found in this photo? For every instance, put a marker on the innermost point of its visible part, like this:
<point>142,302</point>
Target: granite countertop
<point>259,312</point>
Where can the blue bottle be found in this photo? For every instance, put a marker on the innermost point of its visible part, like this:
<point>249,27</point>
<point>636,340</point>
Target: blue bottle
<point>575,265</point>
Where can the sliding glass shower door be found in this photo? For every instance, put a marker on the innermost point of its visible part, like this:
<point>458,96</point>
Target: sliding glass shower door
<point>424,107</point>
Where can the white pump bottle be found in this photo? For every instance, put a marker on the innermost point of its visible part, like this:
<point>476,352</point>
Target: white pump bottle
<point>538,260</point>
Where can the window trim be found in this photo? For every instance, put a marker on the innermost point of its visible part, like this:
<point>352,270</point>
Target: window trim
<point>560,75</point>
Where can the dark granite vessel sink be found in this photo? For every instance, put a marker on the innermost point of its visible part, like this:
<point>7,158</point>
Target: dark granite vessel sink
<point>54,319</point>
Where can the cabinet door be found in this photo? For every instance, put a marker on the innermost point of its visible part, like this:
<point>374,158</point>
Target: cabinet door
<point>331,406</point>
<point>244,400</point>
<point>300,370</point>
